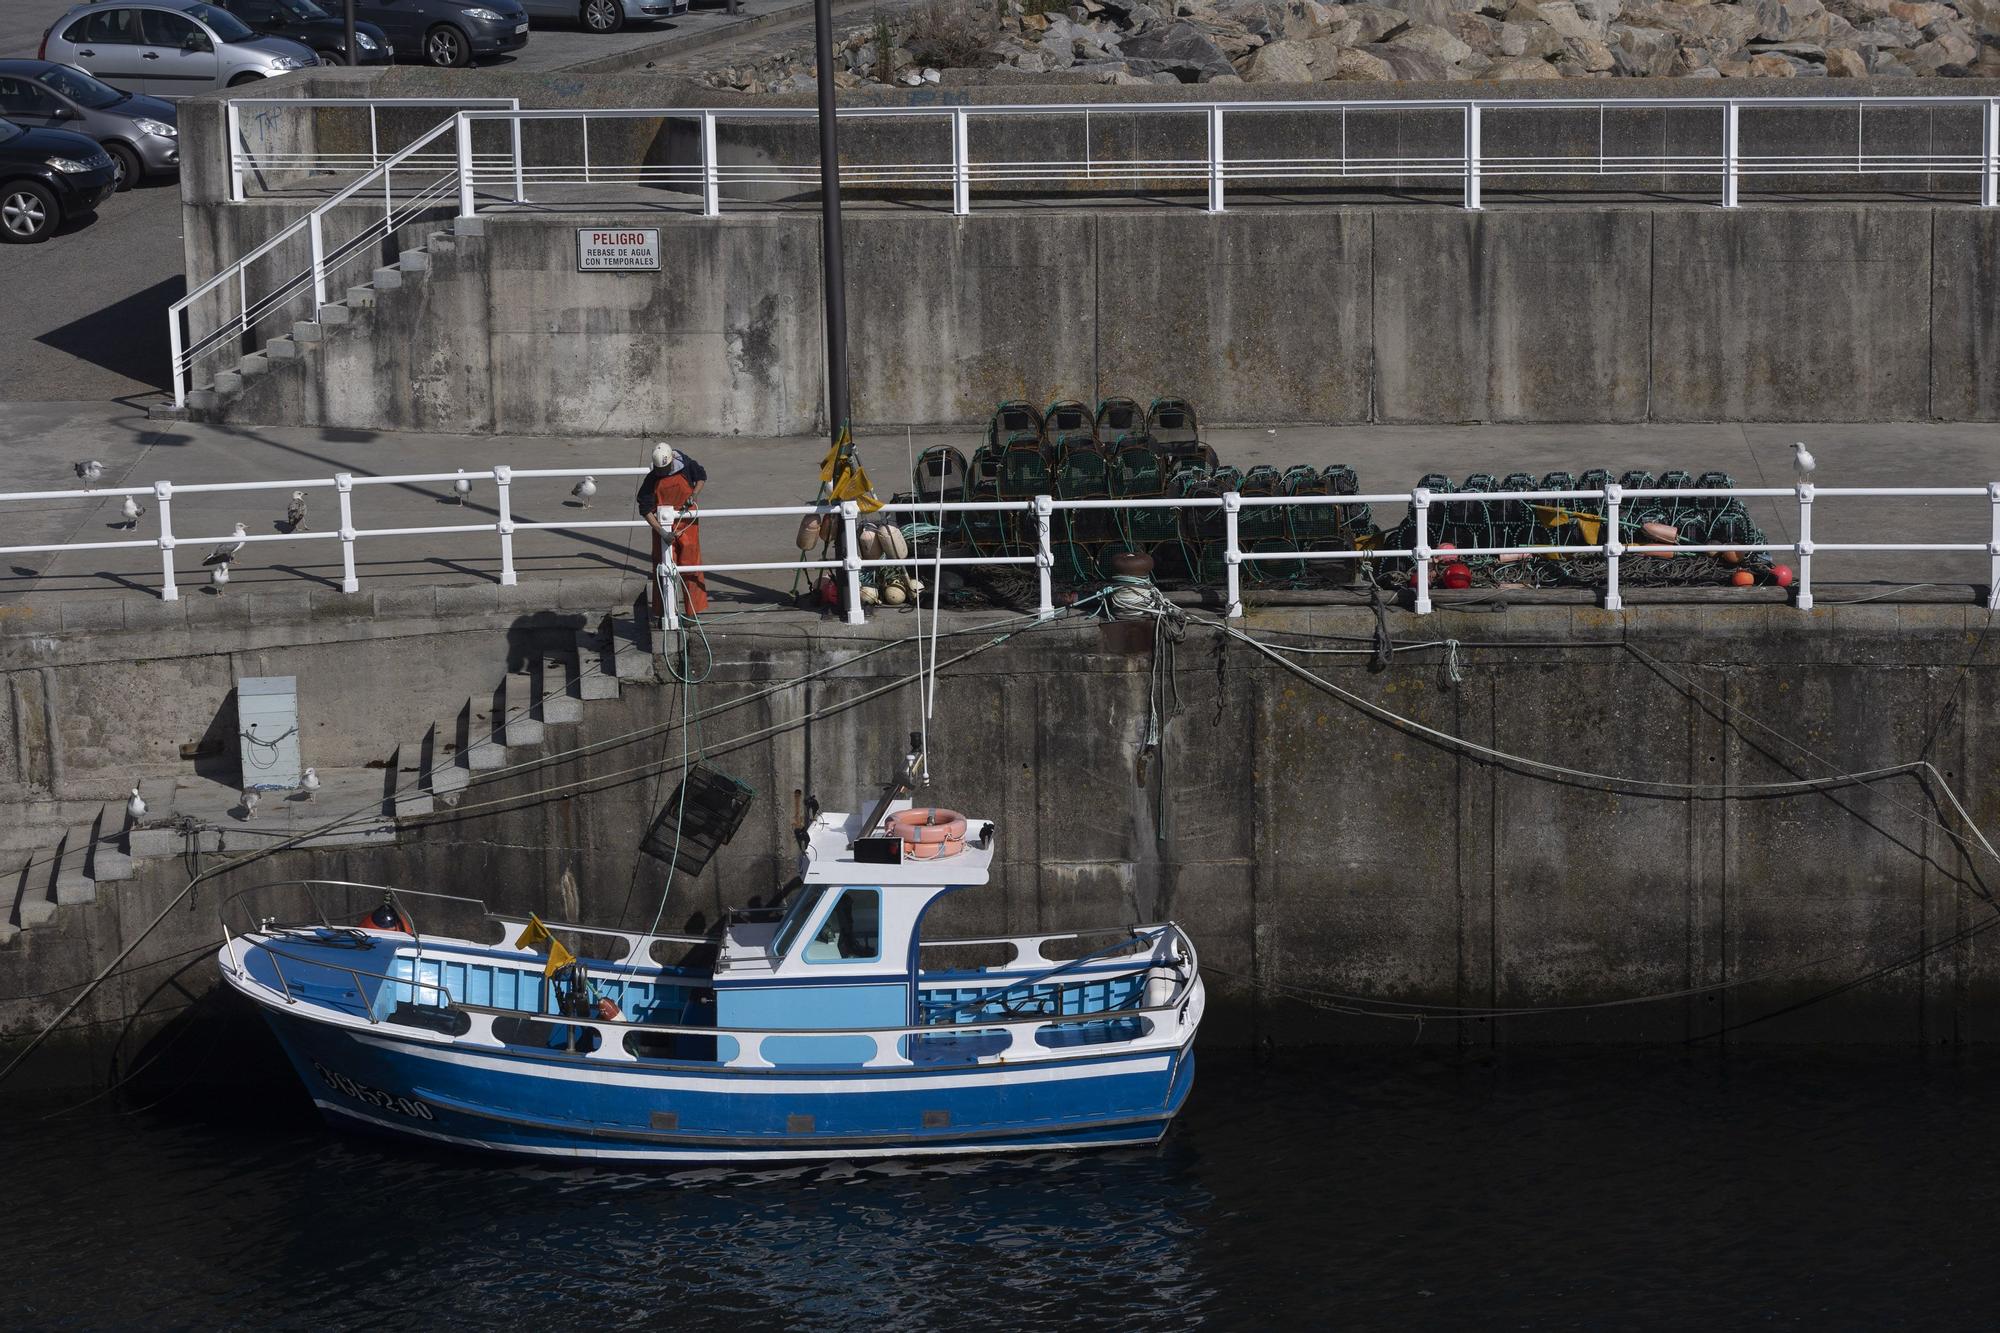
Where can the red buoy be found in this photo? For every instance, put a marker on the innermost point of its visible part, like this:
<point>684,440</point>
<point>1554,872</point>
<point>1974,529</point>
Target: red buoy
<point>1781,575</point>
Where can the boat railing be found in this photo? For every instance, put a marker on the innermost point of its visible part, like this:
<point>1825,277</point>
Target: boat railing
<point>1149,935</point>
<point>1031,950</point>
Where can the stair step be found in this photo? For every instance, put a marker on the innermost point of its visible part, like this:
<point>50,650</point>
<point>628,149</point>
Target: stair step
<point>441,240</point>
<point>518,725</point>
<point>334,314</point>
<point>562,701</point>
<point>360,298</point>
<point>228,382</point>
<point>450,778</point>
<point>386,279</point>
<point>254,364</point>
<point>283,349</point>
<point>596,671</point>
<point>73,884</point>
<point>413,261</point>
<point>632,642</point>
<point>306,331</point>
<point>202,400</point>
<point>412,789</point>
<point>110,861</point>
<point>32,904</point>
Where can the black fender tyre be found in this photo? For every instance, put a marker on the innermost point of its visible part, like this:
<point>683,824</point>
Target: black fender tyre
<point>602,16</point>
<point>447,48</point>
<point>127,163</point>
<point>28,213</point>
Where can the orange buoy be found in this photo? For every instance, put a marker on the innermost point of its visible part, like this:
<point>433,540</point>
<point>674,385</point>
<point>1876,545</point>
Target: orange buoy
<point>1660,534</point>
<point>1743,578</point>
<point>1732,557</point>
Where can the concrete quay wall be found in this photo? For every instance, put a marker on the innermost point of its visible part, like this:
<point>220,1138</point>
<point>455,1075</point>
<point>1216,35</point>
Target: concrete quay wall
<point>1548,313</point>
<point>1314,852</point>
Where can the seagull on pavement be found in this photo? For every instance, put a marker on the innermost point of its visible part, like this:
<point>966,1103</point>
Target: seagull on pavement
<point>295,512</point>
<point>310,783</point>
<point>218,578</point>
<point>463,486</point>
<point>226,552</point>
<point>133,511</point>
<point>584,489</point>
<point>135,809</point>
<point>1803,460</point>
<point>250,799</point>
<point>89,472</point>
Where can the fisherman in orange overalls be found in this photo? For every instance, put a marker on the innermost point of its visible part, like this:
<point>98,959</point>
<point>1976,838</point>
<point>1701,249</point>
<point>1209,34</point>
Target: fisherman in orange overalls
<point>674,483</point>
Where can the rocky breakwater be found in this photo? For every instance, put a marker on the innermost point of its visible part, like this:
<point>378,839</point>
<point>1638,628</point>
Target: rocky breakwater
<point>1305,41</point>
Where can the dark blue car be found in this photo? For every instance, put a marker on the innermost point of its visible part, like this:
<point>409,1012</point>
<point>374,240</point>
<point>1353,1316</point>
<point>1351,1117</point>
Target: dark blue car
<point>46,177</point>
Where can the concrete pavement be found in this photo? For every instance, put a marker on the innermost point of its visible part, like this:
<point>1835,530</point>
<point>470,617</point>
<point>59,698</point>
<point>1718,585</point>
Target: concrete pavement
<point>45,439</point>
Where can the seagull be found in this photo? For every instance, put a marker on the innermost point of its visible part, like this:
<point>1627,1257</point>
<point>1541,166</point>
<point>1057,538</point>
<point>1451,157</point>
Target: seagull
<point>584,489</point>
<point>310,783</point>
<point>295,512</point>
<point>463,486</point>
<point>1803,460</point>
<point>133,511</point>
<point>250,799</point>
<point>135,809</point>
<point>218,578</point>
<point>226,552</point>
<point>89,472</point>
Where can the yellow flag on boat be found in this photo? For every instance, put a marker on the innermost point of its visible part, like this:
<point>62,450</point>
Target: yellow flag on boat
<point>535,936</point>
<point>841,477</point>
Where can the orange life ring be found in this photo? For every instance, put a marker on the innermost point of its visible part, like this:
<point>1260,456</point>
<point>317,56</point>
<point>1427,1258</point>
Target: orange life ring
<point>932,825</point>
<point>930,851</point>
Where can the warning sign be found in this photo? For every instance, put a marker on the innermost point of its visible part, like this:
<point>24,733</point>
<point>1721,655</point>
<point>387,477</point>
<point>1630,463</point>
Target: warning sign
<point>617,249</point>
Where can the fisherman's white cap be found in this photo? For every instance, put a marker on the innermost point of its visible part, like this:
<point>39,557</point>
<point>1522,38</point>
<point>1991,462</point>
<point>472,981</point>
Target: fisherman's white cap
<point>668,457</point>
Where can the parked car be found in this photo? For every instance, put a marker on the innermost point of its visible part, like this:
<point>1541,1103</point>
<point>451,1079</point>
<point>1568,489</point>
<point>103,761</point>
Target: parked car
<point>304,21</point>
<point>605,15</point>
<point>448,32</point>
<point>47,176</point>
<point>169,50</point>
<point>139,132</point>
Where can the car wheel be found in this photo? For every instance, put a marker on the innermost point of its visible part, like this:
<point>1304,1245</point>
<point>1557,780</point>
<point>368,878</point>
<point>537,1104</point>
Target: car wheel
<point>603,15</point>
<point>28,213</point>
<point>329,58</point>
<point>127,163</point>
<point>242,79</point>
<point>446,47</point>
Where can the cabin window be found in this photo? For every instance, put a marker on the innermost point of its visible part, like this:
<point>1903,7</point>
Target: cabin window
<point>802,907</point>
<point>852,931</point>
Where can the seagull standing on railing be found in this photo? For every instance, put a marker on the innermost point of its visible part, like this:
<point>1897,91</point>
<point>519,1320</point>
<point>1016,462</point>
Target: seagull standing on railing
<point>89,472</point>
<point>1803,460</point>
<point>133,512</point>
<point>584,489</point>
<point>226,552</point>
<point>463,486</point>
<point>135,809</point>
<point>295,512</point>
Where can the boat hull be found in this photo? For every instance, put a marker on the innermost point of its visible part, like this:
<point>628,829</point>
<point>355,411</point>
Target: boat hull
<point>561,1105</point>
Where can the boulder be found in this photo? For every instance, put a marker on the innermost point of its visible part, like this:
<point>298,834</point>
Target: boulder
<point>1374,23</point>
<point>1892,32</point>
<point>1410,65</point>
<point>1477,31</point>
<point>1179,49</point>
<point>1514,38</point>
<point>1956,38</point>
<point>1585,56</point>
<point>1430,38</point>
<point>1280,62</point>
<point>1845,64</point>
<point>1352,63</point>
<point>1523,67</point>
<point>1298,20</point>
<point>1560,15</point>
<point>1643,53</point>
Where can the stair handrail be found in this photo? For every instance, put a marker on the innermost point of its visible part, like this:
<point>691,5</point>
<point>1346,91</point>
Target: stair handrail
<point>313,222</point>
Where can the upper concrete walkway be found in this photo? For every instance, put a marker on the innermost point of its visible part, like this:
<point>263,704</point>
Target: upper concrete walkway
<point>46,439</point>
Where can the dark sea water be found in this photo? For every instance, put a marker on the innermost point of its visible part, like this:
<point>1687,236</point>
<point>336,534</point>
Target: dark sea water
<point>1373,1189</point>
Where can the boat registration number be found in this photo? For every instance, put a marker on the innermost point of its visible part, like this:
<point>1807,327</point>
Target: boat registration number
<point>376,1097</point>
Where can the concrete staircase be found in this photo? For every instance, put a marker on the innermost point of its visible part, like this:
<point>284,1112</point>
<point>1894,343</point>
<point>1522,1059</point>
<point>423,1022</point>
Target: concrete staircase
<point>530,708</point>
<point>289,354</point>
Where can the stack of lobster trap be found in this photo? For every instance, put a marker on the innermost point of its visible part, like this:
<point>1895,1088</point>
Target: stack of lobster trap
<point>1123,451</point>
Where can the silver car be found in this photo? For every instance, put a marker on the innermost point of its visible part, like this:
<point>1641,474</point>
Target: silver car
<point>169,50</point>
<point>139,132</point>
<point>605,15</point>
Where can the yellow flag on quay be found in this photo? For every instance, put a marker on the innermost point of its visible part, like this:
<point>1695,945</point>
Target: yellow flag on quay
<point>535,936</point>
<point>841,477</point>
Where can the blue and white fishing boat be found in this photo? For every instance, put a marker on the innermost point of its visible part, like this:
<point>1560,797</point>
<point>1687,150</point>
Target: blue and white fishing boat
<point>824,1028</point>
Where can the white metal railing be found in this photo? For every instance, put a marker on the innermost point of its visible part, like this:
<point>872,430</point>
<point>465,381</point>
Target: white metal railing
<point>1479,151</point>
<point>242,115</point>
<point>851,565</point>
